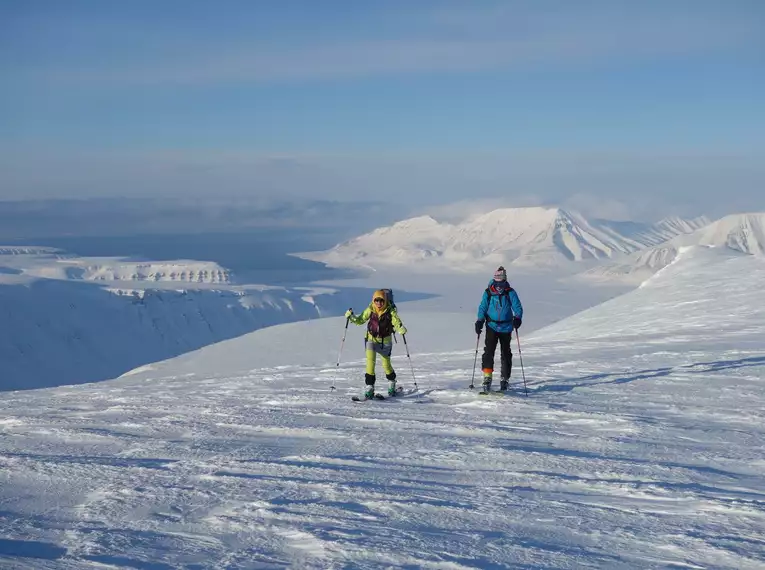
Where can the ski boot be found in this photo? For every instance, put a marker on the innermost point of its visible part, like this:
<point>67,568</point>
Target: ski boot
<point>486,386</point>
<point>369,393</point>
<point>391,383</point>
<point>504,384</point>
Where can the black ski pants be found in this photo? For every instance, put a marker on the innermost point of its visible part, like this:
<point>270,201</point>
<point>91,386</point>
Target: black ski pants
<point>506,357</point>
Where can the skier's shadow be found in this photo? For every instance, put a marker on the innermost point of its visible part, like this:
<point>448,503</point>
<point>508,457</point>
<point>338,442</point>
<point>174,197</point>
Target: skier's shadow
<point>624,378</point>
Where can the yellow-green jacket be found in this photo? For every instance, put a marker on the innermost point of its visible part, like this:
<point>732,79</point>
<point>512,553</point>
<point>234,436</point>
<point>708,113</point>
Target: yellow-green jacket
<point>380,325</point>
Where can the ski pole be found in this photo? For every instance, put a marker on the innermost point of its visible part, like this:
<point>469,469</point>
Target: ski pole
<point>410,362</point>
<point>342,342</point>
<point>477,341</point>
<point>520,355</point>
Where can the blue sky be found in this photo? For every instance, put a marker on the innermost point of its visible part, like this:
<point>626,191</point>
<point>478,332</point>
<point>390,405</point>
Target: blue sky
<point>590,104</point>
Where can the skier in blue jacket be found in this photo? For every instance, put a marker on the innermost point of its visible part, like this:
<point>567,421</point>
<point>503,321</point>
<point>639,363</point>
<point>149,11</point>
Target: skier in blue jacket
<point>501,308</point>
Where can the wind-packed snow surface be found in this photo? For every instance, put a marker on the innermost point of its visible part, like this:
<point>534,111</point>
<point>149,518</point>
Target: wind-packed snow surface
<point>640,445</point>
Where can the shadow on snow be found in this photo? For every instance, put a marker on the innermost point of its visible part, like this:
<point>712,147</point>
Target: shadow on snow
<point>624,378</point>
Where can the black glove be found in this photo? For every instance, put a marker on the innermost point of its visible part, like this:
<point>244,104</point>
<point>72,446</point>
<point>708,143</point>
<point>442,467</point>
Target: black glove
<point>478,327</point>
<point>517,323</point>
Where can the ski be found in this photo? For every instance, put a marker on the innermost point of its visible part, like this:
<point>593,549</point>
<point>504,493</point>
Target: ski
<point>399,392</point>
<point>496,393</point>
<point>358,399</point>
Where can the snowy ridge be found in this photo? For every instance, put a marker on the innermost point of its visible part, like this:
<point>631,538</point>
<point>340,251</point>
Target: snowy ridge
<point>741,232</point>
<point>183,271</point>
<point>117,269</point>
<point>668,228</point>
<point>672,226</point>
<point>737,233</point>
<point>49,263</point>
<point>26,250</point>
<point>640,446</point>
<point>523,236</point>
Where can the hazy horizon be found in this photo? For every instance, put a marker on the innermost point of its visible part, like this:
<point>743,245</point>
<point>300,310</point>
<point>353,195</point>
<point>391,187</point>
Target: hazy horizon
<point>617,109</point>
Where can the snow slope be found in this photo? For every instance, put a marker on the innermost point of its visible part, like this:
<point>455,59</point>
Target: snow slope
<point>57,332</point>
<point>69,320</point>
<point>521,236</point>
<point>641,445</point>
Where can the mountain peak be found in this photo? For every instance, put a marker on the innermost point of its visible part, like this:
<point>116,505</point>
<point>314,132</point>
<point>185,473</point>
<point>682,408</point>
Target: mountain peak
<point>741,232</point>
<point>424,221</point>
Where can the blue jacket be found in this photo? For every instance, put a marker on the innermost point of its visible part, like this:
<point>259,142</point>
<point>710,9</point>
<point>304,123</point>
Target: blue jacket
<point>499,304</point>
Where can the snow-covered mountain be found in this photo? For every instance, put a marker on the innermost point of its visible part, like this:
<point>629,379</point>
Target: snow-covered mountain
<point>640,446</point>
<point>522,236</point>
<point>737,233</point>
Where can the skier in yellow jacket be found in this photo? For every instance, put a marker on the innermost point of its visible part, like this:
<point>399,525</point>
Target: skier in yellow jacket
<point>382,320</point>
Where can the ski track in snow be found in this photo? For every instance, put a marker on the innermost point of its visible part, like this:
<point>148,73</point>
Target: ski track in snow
<point>640,446</point>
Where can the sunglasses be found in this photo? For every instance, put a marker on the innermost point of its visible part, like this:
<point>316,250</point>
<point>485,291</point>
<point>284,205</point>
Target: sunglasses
<point>378,300</point>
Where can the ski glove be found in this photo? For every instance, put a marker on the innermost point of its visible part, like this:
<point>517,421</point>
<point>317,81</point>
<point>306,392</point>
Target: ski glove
<point>348,313</point>
<point>478,327</point>
<point>517,323</point>
<point>402,331</point>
